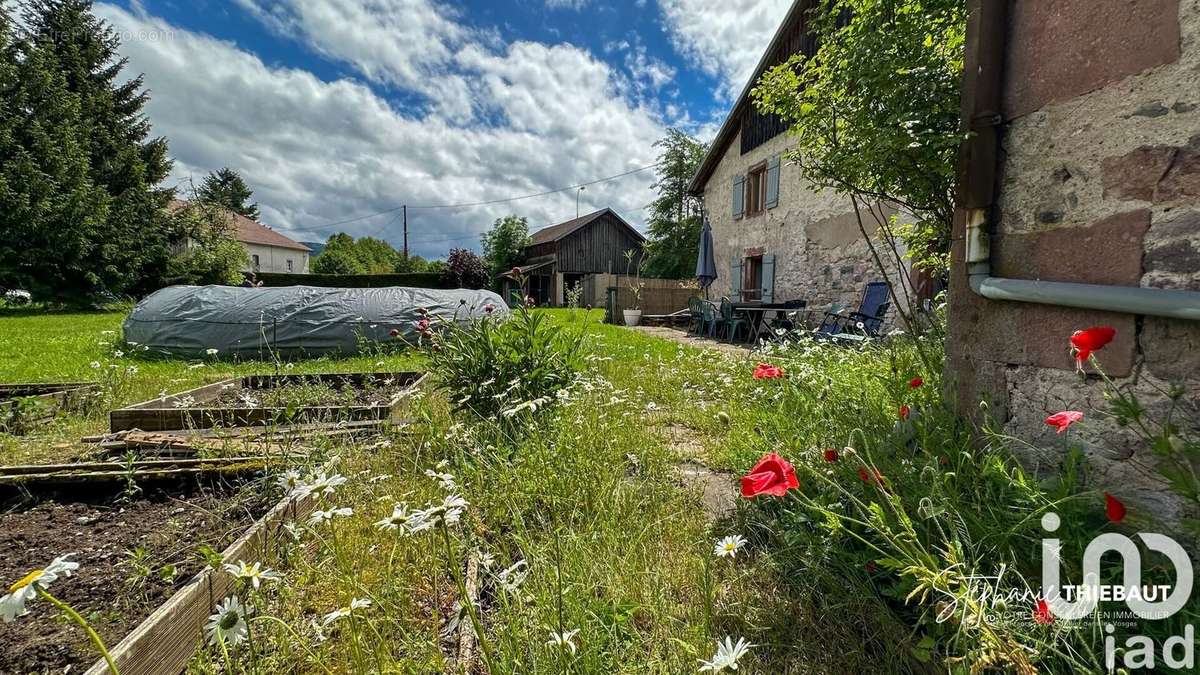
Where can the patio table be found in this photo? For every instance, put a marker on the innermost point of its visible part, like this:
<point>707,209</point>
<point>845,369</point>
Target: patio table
<point>756,313</point>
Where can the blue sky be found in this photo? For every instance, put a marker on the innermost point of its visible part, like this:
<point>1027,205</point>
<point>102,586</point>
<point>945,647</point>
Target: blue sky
<point>335,110</point>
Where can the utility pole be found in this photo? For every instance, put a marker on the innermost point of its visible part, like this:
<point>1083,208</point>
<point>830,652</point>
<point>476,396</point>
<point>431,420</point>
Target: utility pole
<point>405,212</point>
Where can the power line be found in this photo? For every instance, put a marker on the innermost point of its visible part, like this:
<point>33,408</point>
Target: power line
<point>477,235</point>
<point>470,204</point>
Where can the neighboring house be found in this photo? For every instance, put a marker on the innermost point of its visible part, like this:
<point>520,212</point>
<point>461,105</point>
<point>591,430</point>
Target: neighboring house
<point>775,238</point>
<point>266,249</point>
<point>561,256</point>
<point>270,251</point>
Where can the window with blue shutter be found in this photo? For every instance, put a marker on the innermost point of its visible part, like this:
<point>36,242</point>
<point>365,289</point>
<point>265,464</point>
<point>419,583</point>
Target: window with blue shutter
<point>773,182</point>
<point>768,278</point>
<point>735,280</point>
<point>739,194</point>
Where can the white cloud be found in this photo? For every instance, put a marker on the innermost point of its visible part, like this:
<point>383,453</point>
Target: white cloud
<point>567,4</point>
<point>726,39</point>
<point>403,43</point>
<point>316,152</point>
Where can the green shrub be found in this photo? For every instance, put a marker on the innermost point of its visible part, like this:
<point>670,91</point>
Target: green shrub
<point>505,368</point>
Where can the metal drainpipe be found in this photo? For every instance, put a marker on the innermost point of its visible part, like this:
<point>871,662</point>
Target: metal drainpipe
<point>987,24</point>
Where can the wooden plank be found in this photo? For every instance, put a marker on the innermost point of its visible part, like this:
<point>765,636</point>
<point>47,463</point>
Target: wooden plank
<point>159,415</point>
<point>115,466</point>
<point>164,643</point>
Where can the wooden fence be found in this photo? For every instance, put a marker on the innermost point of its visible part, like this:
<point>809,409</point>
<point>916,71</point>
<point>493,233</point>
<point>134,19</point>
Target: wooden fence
<point>659,296</point>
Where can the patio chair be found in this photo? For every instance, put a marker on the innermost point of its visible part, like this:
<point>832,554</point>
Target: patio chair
<point>709,321</point>
<point>871,310</point>
<point>695,316</point>
<point>732,323</point>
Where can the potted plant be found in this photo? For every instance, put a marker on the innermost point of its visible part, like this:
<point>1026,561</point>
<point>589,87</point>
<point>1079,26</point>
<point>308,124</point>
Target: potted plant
<point>634,316</point>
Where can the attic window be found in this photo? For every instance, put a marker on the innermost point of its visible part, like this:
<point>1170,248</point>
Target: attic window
<point>756,189</point>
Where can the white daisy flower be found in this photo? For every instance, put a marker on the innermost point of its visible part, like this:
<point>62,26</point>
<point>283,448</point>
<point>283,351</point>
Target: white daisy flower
<point>449,512</point>
<point>12,605</point>
<point>320,484</point>
<point>228,623</point>
<point>728,547</point>
<point>445,480</point>
<point>511,578</point>
<point>320,517</point>
<point>563,640</point>
<point>290,481</point>
<point>254,574</point>
<point>293,531</point>
<point>727,656</point>
<point>343,612</point>
<point>399,519</point>
<point>211,351</point>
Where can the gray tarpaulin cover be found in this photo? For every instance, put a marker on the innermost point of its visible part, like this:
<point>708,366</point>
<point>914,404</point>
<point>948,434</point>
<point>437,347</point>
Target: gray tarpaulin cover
<point>293,321</point>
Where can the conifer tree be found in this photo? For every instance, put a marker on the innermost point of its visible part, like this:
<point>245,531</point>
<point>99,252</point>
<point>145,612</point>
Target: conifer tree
<point>227,188</point>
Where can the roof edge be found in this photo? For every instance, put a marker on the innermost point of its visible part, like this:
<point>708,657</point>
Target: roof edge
<point>716,149</point>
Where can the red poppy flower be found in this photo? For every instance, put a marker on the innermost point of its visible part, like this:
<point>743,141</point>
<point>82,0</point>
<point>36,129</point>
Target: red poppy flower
<point>830,455</point>
<point>1041,613</point>
<point>866,477</point>
<point>1063,420</point>
<point>1084,342</point>
<point>766,371</point>
<point>773,475</point>
<point>915,382</point>
<point>1113,508</point>
<point>904,412</point>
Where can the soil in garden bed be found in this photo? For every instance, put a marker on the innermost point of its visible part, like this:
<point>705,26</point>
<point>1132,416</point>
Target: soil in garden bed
<point>303,394</point>
<point>132,556</point>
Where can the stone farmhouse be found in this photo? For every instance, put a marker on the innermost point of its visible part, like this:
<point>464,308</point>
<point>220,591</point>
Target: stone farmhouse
<point>775,237</point>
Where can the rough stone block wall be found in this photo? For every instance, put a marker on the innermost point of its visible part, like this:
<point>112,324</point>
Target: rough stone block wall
<point>820,253</point>
<point>1099,183</point>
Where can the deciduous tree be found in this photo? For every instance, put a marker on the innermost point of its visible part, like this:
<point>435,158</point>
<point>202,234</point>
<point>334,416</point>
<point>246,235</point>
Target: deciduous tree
<point>875,111</point>
<point>504,244</point>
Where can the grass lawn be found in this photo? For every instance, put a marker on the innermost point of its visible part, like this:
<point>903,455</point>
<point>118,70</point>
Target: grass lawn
<point>578,519</point>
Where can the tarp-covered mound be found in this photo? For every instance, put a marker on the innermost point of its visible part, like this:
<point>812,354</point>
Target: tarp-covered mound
<point>292,321</point>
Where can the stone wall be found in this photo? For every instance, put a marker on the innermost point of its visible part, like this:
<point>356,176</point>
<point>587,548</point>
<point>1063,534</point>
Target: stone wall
<point>820,253</point>
<point>1099,183</point>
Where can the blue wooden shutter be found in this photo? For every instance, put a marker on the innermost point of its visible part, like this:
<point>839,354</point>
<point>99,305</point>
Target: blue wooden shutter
<point>739,195</point>
<point>768,278</point>
<point>735,280</point>
<point>773,182</point>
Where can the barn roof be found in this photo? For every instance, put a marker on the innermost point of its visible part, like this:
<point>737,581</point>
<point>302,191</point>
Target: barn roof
<point>557,232</point>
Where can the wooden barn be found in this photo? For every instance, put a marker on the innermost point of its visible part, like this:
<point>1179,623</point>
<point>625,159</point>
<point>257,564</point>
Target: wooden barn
<point>560,256</point>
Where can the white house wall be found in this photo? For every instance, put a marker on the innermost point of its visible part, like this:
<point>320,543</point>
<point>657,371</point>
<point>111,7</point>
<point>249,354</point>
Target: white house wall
<point>274,259</point>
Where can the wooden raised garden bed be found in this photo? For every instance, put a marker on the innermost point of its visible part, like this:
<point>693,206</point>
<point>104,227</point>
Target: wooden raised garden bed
<point>259,400</point>
<point>23,405</point>
<point>166,640</point>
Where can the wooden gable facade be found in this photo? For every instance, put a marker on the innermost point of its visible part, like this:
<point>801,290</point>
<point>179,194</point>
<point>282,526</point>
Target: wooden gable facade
<point>591,244</point>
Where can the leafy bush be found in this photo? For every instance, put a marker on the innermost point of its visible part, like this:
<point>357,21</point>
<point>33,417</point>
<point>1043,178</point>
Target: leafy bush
<point>464,269</point>
<point>505,368</point>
